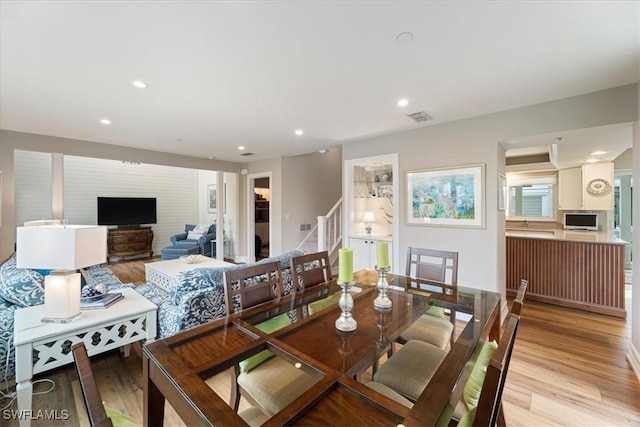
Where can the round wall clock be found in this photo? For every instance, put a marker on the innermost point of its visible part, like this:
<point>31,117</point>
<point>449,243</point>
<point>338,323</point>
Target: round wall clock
<point>598,186</point>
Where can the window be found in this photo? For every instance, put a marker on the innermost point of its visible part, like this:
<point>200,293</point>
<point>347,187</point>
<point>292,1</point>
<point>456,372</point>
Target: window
<point>531,196</point>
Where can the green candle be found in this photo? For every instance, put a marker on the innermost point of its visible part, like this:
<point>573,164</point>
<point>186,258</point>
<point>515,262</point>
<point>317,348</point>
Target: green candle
<point>382,252</point>
<point>345,265</point>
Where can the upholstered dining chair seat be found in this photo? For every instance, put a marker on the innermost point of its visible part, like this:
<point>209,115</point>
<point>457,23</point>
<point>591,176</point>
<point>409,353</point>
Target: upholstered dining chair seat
<point>410,368</point>
<point>254,416</point>
<point>431,329</point>
<point>390,393</point>
<point>275,383</point>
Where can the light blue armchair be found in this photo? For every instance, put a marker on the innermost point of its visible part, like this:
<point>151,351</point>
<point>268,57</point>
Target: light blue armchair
<point>181,245</point>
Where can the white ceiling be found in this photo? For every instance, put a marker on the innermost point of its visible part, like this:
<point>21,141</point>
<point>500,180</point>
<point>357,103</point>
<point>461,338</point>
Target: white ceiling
<point>223,74</point>
<point>575,148</point>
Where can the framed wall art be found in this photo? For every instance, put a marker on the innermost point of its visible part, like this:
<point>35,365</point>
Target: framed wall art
<point>446,197</point>
<point>211,198</point>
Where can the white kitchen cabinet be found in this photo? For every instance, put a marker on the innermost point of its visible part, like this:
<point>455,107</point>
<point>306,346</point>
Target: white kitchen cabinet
<point>589,187</point>
<point>570,188</point>
<point>364,251</point>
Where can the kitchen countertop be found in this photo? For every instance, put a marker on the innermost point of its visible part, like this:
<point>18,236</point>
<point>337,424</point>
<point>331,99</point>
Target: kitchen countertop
<point>568,235</point>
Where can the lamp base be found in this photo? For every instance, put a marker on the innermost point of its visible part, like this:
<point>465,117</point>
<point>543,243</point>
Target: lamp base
<point>60,320</point>
<point>61,296</point>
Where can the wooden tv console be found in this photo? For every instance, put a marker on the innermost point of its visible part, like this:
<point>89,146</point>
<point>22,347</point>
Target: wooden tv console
<point>129,241</point>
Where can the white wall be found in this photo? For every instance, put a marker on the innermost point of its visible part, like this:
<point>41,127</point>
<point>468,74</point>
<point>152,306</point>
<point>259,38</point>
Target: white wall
<point>313,185</point>
<point>476,140</point>
<point>33,186</point>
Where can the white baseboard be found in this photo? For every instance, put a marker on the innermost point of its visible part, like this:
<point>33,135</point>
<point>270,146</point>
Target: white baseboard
<point>241,259</point>
<point>634,359</point>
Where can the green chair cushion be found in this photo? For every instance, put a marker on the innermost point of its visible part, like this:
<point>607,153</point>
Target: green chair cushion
<point>473,387</point>
<point>268,326</point>
<point>119,419</point>
<point>316,306</point>
<point>436,311</point>
<point>468,419</point>
<point>445,416</point>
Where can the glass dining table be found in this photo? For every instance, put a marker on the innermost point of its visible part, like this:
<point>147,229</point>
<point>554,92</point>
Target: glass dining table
<point>175,369</point>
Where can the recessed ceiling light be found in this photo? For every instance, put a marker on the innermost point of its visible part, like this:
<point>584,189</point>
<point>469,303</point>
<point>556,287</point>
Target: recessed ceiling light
<point>403,102</point>
<point>212,157</point>
<point>299,132</point>
<point>139,84</point>
<point>241,147</point>
<point>592,160</point>
<point>404,37</point>
<point>599,153</point>
<point>105,121</point>
<point>323,151</point>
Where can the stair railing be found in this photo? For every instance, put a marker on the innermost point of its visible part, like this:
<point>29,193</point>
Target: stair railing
<point>330,229</point>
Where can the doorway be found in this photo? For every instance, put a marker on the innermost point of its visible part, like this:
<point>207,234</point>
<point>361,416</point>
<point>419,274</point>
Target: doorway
<point>259,191</point>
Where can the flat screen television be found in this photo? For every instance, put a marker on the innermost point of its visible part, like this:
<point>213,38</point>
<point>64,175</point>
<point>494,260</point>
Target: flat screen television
<point>581,221</point>
<point>126,212</point>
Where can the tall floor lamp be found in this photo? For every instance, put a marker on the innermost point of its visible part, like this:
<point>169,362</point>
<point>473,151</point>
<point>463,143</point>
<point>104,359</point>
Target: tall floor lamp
<point>64,249</point>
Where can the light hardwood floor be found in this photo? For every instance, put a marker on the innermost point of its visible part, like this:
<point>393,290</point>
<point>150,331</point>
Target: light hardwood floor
<point>568,368</point>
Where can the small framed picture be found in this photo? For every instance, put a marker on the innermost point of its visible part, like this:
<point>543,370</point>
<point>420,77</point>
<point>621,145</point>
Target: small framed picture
<point>211,198</point>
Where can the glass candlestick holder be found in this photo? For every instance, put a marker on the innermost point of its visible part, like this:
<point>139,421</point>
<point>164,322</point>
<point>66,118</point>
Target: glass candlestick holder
<point>346,322</point>
<point>382,301</point>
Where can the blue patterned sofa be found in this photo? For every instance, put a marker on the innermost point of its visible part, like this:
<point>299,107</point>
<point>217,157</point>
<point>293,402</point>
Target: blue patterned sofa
<point>21,287</point>
<point>197,296</point>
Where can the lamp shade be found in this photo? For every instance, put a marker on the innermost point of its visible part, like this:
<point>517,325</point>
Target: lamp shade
<point>368,217</point>
<point>61,247</point>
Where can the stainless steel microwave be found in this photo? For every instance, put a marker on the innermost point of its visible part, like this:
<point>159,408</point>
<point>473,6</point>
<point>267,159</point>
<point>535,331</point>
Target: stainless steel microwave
<point>581,221</point>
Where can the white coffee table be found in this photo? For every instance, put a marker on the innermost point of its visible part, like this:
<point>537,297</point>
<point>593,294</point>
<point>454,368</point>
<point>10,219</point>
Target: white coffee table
<point>163,273</point>
<point>131,319</point>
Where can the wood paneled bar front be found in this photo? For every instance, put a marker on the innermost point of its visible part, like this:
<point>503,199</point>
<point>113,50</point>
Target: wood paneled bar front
<point>578,270</point>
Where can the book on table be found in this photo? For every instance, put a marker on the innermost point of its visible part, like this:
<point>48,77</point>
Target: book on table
<point>102,301</point>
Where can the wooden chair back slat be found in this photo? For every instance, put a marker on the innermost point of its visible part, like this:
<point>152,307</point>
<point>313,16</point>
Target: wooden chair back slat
<point>90,392</point>
<point>489,404</point>
<point>432,264</point>
<point>309,270</point>
<point>516,307</point>
<point>253,285</point>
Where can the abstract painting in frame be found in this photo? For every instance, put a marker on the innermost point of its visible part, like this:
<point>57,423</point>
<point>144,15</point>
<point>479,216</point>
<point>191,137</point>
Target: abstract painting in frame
<point>446,197</point>
<point>211,198</point>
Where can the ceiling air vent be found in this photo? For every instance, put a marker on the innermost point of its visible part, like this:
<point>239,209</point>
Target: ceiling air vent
<point>420,116</point>
<point>247,154</point>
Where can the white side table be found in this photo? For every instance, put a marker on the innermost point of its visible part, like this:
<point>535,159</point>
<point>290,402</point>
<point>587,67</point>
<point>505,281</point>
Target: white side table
<point>131,319</point>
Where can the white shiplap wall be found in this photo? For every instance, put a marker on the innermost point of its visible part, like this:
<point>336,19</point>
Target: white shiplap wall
<point>32,174</point>
<point>174,188</point>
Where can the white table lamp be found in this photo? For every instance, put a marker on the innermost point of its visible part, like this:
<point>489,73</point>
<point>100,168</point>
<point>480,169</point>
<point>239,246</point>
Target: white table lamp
<point>65,249</point>
<point>368,218</point>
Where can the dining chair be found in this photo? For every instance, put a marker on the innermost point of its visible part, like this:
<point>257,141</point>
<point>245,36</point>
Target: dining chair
<point>310,270</point>
<point>99,415</point>
<point>467,397</point>
<point>256,284</point>
<point>435,266</point>
<point>489,411</point>
<point>265,380</point>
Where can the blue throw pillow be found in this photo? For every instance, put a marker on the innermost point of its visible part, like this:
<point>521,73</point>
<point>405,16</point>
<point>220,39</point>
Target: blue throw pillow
<point>20,286</point>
